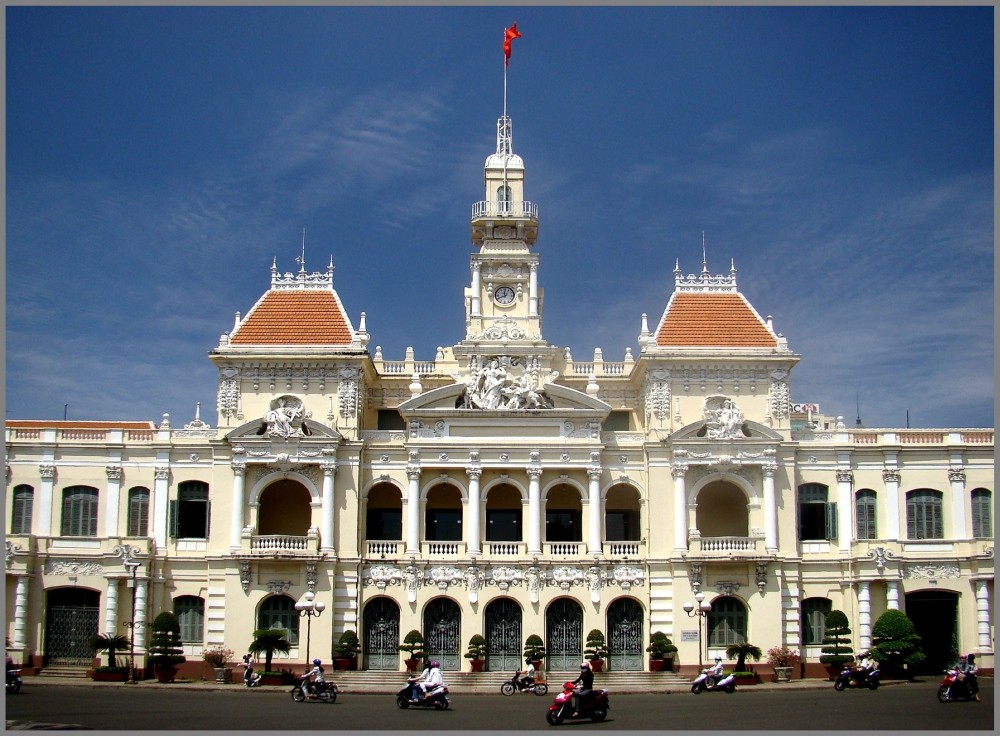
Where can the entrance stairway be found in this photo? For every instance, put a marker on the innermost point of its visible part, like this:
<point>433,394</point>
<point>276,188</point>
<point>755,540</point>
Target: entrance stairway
<point>481,683</point>
<point>74,671</point>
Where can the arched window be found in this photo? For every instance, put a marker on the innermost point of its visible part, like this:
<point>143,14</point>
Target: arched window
<point>817,517</point>
<point>814,613</point>
<point>138,512</point>
<point>79,512</point>
<point>727,622</point>
<point>923,514</point>
<point>982,509</point>
<point>864,512</point>
<point>189,514</point>
<point>278,612</point>
<point>190,612</point>
<point>24,497</point>
<point>503,198</point>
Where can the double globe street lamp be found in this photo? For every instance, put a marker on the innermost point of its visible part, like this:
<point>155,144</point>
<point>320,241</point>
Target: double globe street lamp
<point>700,610</point>
<point>308,608</point>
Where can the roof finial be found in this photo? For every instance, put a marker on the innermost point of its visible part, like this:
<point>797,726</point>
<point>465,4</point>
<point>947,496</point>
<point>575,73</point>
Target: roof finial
<point>301,260</point>
<point>704,254</point>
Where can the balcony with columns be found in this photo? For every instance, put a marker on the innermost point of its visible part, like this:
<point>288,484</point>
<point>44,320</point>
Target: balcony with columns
<point>280,545</point>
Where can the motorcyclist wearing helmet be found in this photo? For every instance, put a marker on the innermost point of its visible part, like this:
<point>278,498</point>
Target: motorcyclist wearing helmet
<point>586,680</point>
<point>529,674</point>
<point>433,681</point>
<point>316,673</point>
<point>715,671</point>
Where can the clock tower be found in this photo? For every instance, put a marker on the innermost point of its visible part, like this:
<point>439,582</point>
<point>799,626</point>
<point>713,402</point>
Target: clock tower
<point>503,305</point>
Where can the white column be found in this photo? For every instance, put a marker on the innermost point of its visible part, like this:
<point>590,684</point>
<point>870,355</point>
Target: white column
<point>21,610</point>
<point>770,508</point>
<point>160,497</point>
<point>326,529</point>
<point>892,595</point>
<point>958,504</point>
<point>239,502</point>
<point>594,510</point>
<point>534,511</point>
<point>141,588</point>
<point>845,506</point>
<point>413,511</point>
<point>533,291</point>
<point>864,616</point>
<point>112,500</point>
<point>679,472</point>
<point>44,523</point>
<point>111,603</point>
<point>474,537</point>
<point>982,615</point>
<point>476,310</point>
<point>891,479</point>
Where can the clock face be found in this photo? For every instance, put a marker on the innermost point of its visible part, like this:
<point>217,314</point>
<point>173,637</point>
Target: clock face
<point>504,295</point>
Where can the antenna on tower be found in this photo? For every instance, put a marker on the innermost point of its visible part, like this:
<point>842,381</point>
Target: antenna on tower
<point>704,254</point>
<point>857,401</point>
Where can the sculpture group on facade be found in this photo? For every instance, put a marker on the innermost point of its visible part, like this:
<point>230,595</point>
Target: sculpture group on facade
<point>491,387</point>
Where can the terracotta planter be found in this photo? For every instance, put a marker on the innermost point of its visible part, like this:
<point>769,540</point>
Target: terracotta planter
<point>745,680</point>
<point>656,665</point>
<point>109,676</point>
<point>597,665</point>
<point>344,663</point>
<point>412,664</point>
<point>477,664</point>
<point>272,680</point>
<point>164,672</point>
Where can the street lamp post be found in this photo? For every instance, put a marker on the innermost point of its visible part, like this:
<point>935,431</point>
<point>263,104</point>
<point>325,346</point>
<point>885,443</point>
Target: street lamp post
<point>700,610</point>
<point>308,608</point>
<point>128,553</point>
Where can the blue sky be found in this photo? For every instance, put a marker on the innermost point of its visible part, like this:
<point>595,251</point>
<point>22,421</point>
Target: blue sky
<point>158,159</point>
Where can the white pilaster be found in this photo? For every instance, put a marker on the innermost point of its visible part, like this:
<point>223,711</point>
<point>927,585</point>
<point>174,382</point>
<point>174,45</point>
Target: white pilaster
<point>534,511</point>
<point>141,588</point>
<point>864,616</point>
<point>326,530</point>
<point>44,523</point>
<point>533,291</point>
<point>982,615</point>
<point>239,501</point>
<point>112,500</point>
<point>21,610</point>
<point>474,537</point>
<point>890,477</point>
<point>413,511</point>
<point>679,471</point>
<point>770,508</point>
<point>845,509</point>
<point>958,504</point>
<point>111,604</point>
<point>476,309</point>
<point>892,595</point>
<point>594,511</point>
<point>161,491</point>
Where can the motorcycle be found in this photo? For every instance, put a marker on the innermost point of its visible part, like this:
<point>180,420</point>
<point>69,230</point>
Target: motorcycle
<point>964,688</point>
<point>595,706</point>
<point>14,681</point>
<point>516,684</point>
<point>859,679</point>
<point>705,681</point>
<point>325,691</point>
<point>410,695</point>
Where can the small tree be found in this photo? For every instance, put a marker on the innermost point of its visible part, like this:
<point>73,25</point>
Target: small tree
<point>349,645</point>
<point>741,651</point>
<point>660,646</point>
<point>896,641</point>
<point>413,644</point>
<point>269,641</point>
<point>477,647</point>
<point>165,643</point>
<point>110,643</point>
<point>837,648</point>
<point>534,647</point>
<point>596,645</point>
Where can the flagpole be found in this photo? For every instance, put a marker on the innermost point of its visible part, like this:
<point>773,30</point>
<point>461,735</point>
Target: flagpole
<point>507,205</point>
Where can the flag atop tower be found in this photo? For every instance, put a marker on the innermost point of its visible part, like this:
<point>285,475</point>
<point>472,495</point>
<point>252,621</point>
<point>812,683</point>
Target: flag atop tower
<point>509,35</point>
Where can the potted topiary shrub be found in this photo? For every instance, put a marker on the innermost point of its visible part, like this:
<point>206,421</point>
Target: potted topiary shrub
<point>413,644</point>
<point>477,650</point>
<point>217,658</point>
<point>165,651</point>
<point>896,642</point>
<point>534,649</point>
<point>596,649</point>
<point>270,641</point>
<point>347,651</point>
<point>112,644</point>
<point>661,652</point>
<point>783,660</point>
<point>742,651</point>
<point>837,649</point>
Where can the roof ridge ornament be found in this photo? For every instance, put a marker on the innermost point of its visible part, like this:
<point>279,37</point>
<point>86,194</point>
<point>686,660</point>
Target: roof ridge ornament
<point>705,282</point>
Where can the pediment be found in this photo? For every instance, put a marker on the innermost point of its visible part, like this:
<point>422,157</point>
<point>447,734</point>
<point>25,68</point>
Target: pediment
<point>257,429</point>
<point>557,400</point>
<point>701,430</point>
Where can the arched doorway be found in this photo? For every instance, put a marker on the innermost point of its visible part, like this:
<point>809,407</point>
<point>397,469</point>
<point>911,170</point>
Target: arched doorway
<point>503,636</point>
<point>564,635</point>
<point>625,635</point>
<point>284,509</point>
<point>934,614</point>
<point>381,635</point>
<point>722,511</point>
<point>71,619</point>
<point>442,626</point>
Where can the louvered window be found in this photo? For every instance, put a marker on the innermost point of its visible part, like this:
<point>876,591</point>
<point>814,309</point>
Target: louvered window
<point>864,511</point>
<point>190,513</point>
<point>79,512</point>
<point>982,509</point>
<point>138,512</point>
<point>24,497</point>
<point>190,612</point>
<point>924,518</point>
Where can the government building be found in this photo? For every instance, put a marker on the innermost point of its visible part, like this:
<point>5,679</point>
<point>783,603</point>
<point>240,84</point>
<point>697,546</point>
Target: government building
<point>501,487</point>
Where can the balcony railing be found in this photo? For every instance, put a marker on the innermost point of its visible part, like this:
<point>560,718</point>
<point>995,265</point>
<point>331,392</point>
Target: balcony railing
<point>387,549</point>
<point>282,544</point>
<point>727,545</point>
<point>564,548</point>
<point>504,209</point>
<point>622,549</point>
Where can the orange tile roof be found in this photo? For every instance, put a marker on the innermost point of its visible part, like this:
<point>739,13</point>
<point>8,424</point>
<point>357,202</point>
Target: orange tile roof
<point>75,424</point>
<point>716,320</point>
<point>295,318</point>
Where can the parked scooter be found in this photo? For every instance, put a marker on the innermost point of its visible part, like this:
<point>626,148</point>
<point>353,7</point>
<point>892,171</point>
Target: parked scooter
<point>966,688</point>
<point>14,681</point>
<point>706,681</point>
<point>857,678</point>
<point>594,707</point>
<point>324,691</point>
<point>518,684</point>
<point>410,695</point>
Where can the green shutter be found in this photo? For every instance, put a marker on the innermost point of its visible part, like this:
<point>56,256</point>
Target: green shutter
<point>172,522</point>
<point>831,520</point>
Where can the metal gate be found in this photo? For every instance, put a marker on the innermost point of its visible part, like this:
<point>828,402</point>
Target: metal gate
<point>381,637</point>
<point>442,624</point>
<point>68,630</point>
<point>564,635</point>
<point>503,636</point>
<point>625,639</point>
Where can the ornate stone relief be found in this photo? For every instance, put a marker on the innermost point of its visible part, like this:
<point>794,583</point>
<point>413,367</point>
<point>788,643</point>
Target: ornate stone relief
<point>73,568</point>
<point>285,417</point>
<point>12,549</point>
<point>956,475</point>
<point>880,555</point>
<point>474,579</point>
<point>444,576</point>
<point>940,570</point>
<point>382,576</point>
<point>726,587</point>
<point>245,577</point>
<point>278,586</point>
<point>723,419</point>
<point>890,476</point>
<point>348,392</point>
<point>503,576</point>
<point>779,399</point>
<point>566,577</point>
<point>229,391</point>
<point>658,394</point>
<point>761,577</point>
<point>625,576</point>
<point>494,385</point>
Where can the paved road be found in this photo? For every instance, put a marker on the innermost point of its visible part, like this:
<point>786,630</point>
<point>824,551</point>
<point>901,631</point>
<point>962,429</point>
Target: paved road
<point>901,707</point>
